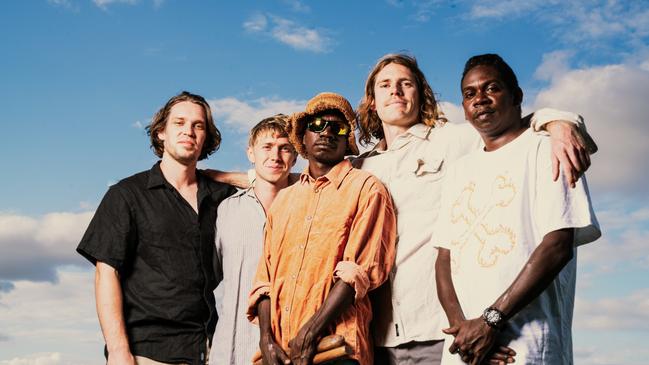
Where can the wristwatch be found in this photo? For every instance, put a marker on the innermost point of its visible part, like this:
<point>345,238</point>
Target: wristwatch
<point>493,317</point>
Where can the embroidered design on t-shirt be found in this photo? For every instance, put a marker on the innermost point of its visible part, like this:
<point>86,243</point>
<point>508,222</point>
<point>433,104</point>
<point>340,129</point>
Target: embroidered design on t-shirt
<point>495,239</point>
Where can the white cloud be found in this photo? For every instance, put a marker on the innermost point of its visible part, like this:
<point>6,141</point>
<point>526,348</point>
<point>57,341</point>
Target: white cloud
<point>290,33</point>
<point>58,320</point>
<point>53,358</point>
<point>256,23</point>
<point>612,99</point>
<point>298,6</point>
<point>103,4</point>
<point>624,313</point>
<point>453,113</point>
<point>243,115</point>
<point>32,248</point>
<point>137,125</point>
<point>579,21</point>
<point>62,3</point>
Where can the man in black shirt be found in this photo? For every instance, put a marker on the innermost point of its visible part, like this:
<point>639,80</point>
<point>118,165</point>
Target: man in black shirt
<point>152,241</point>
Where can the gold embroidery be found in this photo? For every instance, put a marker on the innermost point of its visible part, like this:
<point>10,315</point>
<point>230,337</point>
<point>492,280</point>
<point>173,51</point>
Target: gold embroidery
<point>495,239</point>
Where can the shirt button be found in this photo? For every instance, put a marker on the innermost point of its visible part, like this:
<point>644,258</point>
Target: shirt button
<point>308,217</point>
<point>317,190</point>
<point>293,276</point>
<point>286,309</point>
<point>302,246</point>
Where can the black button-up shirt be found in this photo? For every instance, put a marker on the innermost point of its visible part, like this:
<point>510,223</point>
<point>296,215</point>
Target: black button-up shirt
<point>164,254</point>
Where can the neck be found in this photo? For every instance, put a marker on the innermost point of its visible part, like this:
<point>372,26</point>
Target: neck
<point>178,174</point>
<point>317,169</point>
<point>495,141</point>
<point>391,132</point>
<point>267,191</point>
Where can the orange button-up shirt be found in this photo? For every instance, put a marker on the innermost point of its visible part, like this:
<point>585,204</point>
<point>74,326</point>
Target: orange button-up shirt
<point>341,226</point>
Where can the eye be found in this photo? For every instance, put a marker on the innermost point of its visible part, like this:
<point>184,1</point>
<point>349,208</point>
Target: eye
<point>407,83</point>
<point>199,126</point>
<point>383,85</point>
<point>468,94</point>
<point>493,88</point>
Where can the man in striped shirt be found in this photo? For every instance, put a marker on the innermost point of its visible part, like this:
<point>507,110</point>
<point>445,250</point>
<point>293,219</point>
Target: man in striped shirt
<point>239,239</point>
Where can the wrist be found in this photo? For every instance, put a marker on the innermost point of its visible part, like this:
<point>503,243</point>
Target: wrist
<point>494,318</point>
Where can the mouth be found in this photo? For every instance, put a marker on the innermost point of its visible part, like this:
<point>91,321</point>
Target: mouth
<point>483,113</point>
<point>325,145</point>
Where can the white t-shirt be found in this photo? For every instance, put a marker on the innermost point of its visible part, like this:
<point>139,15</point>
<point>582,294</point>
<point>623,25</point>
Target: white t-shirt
<point>496,208</point>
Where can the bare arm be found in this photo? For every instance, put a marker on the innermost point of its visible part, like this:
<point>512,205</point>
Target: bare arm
<point>108,295</point>
<point>548,259</point>
<point>450,303</point>
<point>271,352</point>
<point>303,346</point>
<point>234,178</point>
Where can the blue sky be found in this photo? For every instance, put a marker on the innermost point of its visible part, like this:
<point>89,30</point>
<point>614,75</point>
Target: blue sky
<point>81,78</point>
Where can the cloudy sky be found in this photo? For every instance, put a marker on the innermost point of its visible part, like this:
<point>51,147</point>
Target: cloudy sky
<point>81,78</point>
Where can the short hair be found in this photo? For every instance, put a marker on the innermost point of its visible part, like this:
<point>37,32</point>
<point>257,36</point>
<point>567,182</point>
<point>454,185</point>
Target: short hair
<point>159,122</point>
<point>277,125</point>
<point>506,73</point>
<point>369,123</point>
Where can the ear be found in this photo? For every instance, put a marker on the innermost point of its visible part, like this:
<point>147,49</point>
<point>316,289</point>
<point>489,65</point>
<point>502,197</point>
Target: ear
<point>161,134</point>
<point>251,155</point>
<point>518,97</point>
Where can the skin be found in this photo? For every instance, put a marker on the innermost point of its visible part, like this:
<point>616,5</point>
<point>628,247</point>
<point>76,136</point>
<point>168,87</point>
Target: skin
<point>273,158</point>
<point>183,138</point>
<point>325,149</point>
<point>495,112</point>
<point>396,100</point>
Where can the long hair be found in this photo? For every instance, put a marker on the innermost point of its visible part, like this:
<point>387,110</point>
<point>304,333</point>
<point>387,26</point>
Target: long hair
<point>159,121</point>
<point>370,125</point>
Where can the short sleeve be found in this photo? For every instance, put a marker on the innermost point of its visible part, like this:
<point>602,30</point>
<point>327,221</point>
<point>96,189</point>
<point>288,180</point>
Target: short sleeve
<point>372,236</point>
<point>110,237</point>
<point>558,206</point>
<point>441,237</point>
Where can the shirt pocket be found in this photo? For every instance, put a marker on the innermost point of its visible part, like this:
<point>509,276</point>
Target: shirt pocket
<point>168,254</point>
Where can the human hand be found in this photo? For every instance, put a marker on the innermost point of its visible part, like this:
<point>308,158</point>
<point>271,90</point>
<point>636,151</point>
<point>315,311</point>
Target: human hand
<point>500,355</point>
<point>120,357</point>
<point>569,151</point>
<point>303,347</point>
<point>271,352</point>
<point>473,340</point>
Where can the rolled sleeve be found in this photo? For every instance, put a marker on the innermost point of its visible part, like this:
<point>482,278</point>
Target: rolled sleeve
<point>259,289</point>
<point>370,251</point>
<point>354,275</point>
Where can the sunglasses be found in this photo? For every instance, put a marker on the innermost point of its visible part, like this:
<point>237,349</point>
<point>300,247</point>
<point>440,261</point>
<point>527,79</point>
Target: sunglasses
<point>318,125</point>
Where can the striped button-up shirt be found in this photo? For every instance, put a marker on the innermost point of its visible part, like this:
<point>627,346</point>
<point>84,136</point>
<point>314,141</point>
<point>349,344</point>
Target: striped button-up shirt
<point>239,243</point>
<point>338,226</point>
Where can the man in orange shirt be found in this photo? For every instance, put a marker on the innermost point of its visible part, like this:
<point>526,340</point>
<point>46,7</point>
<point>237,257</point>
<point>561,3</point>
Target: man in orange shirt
<point>329,239</point>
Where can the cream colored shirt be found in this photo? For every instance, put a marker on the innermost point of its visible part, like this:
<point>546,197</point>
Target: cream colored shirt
<point>406,307</point>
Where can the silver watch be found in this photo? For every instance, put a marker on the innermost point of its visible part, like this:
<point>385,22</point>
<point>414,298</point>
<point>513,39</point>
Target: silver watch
<point>493,317</point>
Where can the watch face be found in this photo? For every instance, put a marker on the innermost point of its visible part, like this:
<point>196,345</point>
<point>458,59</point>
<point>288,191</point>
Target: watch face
<point>493,317</point>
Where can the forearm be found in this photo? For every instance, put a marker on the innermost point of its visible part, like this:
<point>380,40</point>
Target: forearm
<point>263,311</point>
<point>238,179</point>
<point>340,297</point>
<point>108,295</point>
<point>545,263</point>
<point>445,289</point>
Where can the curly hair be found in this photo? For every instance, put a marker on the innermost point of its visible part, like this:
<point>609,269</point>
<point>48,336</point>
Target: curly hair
<point>505,71</point>
<point>370,125</point>
<point>159,121</point>
<point>277,125</point>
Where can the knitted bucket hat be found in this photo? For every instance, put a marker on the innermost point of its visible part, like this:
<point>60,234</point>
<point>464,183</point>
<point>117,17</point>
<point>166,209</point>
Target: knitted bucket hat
<point>319,104</point>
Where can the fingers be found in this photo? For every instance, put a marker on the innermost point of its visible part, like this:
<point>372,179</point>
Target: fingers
<point>555,168</point>
<point>451,330</point>
<point>506,350</point>
<point>281,355</point>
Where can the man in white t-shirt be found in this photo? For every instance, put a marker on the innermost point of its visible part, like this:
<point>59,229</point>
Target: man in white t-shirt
<point>507,234</point>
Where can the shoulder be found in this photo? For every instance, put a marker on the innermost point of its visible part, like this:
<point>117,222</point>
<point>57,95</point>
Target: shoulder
<point>369,182</point>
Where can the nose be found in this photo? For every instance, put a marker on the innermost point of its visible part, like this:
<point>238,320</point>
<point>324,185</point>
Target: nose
<point>189,129</point>
<point>274,153</point>
<point>481,98</point>
<point>395,89</point>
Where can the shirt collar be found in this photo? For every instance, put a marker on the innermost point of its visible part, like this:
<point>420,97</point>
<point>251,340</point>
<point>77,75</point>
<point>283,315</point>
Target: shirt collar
<point>336,175</point>
<point>157,179</point>
<point>419,130</point>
